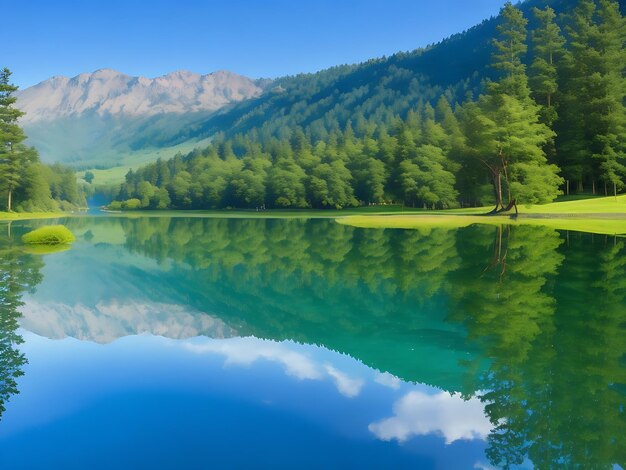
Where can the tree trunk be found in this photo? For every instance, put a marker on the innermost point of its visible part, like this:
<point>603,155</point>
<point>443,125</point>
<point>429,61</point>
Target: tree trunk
<point>9,200</point>
<point>567,187</point>
<point>497,186</point>
<point>593,187</point>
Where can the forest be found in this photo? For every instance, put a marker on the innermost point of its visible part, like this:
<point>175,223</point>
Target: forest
<point>26,184</point>
<point>549,119</point>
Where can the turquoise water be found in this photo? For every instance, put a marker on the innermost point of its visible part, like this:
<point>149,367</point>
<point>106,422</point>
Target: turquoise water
<point>201,343</point>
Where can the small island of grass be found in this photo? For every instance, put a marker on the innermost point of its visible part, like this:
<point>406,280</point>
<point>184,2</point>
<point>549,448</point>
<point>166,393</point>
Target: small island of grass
<point>49,235</point>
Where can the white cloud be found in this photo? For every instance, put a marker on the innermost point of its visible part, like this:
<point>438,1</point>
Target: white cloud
<point>347,386</point>
<point>388,380</point>
<point>419,414</point>
<point>246,351</point>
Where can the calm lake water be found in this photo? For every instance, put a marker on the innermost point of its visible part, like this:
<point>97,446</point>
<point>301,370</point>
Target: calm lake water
<point>203,343</point>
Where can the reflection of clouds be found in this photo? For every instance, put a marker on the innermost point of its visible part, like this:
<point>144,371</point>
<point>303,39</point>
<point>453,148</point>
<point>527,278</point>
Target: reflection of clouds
<point>388,380</point>
<point>417,413</point>
<point>347,386</point>
<point>483,466</point>
<point>246,351</point>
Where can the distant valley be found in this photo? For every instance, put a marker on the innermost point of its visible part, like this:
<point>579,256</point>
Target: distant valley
<point>108,119</point>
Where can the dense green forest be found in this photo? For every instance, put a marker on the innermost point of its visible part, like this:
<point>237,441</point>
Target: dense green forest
<point>26,184</point>
<point>550,119</point>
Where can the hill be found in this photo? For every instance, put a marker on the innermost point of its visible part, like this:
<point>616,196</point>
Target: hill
<point>376,90</point>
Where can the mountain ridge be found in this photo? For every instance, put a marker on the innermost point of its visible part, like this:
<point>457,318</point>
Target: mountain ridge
<point>108,91</point>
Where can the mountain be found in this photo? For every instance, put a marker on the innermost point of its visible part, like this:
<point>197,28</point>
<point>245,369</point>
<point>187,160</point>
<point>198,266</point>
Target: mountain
<point>108,92</point>
<point>106,118</point>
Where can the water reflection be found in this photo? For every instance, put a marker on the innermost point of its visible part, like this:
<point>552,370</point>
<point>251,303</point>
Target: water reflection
<point>19,272</point>
<point>445,414</point>
<point>520,329</point>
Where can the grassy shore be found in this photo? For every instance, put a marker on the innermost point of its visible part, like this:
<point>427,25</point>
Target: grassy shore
<point>32,215</point>
<point>271,214</point>
<point>605,215</point>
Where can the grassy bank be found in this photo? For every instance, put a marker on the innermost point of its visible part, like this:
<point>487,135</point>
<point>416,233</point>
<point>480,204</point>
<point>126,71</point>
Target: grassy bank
<point>605,215</point>
<point>271,214</point>
<point>592,225</point>
<point>31,215</point>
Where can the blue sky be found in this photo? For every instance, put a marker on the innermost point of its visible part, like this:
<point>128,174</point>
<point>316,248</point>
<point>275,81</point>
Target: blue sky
<point>254,38</point>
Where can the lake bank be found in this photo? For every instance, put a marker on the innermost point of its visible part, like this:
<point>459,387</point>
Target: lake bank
<point>11,216</point>
<point>605,216</point>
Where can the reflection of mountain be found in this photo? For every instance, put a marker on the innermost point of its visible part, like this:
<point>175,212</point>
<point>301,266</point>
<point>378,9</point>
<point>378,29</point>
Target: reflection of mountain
<point>107,322</point>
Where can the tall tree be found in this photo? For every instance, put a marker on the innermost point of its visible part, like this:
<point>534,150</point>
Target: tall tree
<point>14,156</point>
<point>508,133</point>
<point>607,109</point>
<point>548,48</point>
<point>578,66</point>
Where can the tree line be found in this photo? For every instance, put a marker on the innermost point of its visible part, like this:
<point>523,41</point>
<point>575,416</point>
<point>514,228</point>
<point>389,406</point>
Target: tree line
<point>28,184</point>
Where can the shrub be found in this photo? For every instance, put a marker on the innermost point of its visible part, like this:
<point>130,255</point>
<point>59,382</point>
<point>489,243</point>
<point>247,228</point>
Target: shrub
<point>49,235</point>
<point>131,204</point>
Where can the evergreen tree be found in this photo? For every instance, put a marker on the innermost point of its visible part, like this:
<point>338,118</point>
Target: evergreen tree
<point>506,125</point>
<point>14,156</point>
<point>607,108</point>
<point>548,46</point>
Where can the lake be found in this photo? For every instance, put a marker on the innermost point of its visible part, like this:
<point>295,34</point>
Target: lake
<point>159,342</point>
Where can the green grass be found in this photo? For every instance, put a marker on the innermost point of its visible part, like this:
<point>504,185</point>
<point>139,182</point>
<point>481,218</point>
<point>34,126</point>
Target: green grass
<point>596,205</point>
<point>427,222</point>
<point>31,215</point>
<point>133,160</point>
<point>270,214</point>
<point>603,215</point>
<point>49,235</point>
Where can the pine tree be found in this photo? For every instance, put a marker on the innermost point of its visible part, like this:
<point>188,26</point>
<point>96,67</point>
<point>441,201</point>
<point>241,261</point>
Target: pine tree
<point>606,108</point>
<point>548,45</point>
<point>14,155</point>
<point>591,133</point>
<point>548,48</point>
<point>507,130</point>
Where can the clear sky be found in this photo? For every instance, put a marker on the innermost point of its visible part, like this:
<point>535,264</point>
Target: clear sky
<point>266,38</point>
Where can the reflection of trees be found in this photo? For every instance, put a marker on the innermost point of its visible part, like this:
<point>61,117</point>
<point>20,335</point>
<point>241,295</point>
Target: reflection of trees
<point>556,344</point>
<point>18,272</point>
<point>545,319</point>
<point>375,294</point>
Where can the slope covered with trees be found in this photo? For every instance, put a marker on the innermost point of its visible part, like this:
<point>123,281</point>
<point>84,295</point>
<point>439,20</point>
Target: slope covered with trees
<point>551,113</point>
<point>25,183</point>
<point>376,90</point>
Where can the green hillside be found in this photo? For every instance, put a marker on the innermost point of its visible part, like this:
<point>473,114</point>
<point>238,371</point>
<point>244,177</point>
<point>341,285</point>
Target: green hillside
<point>377,90</point>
